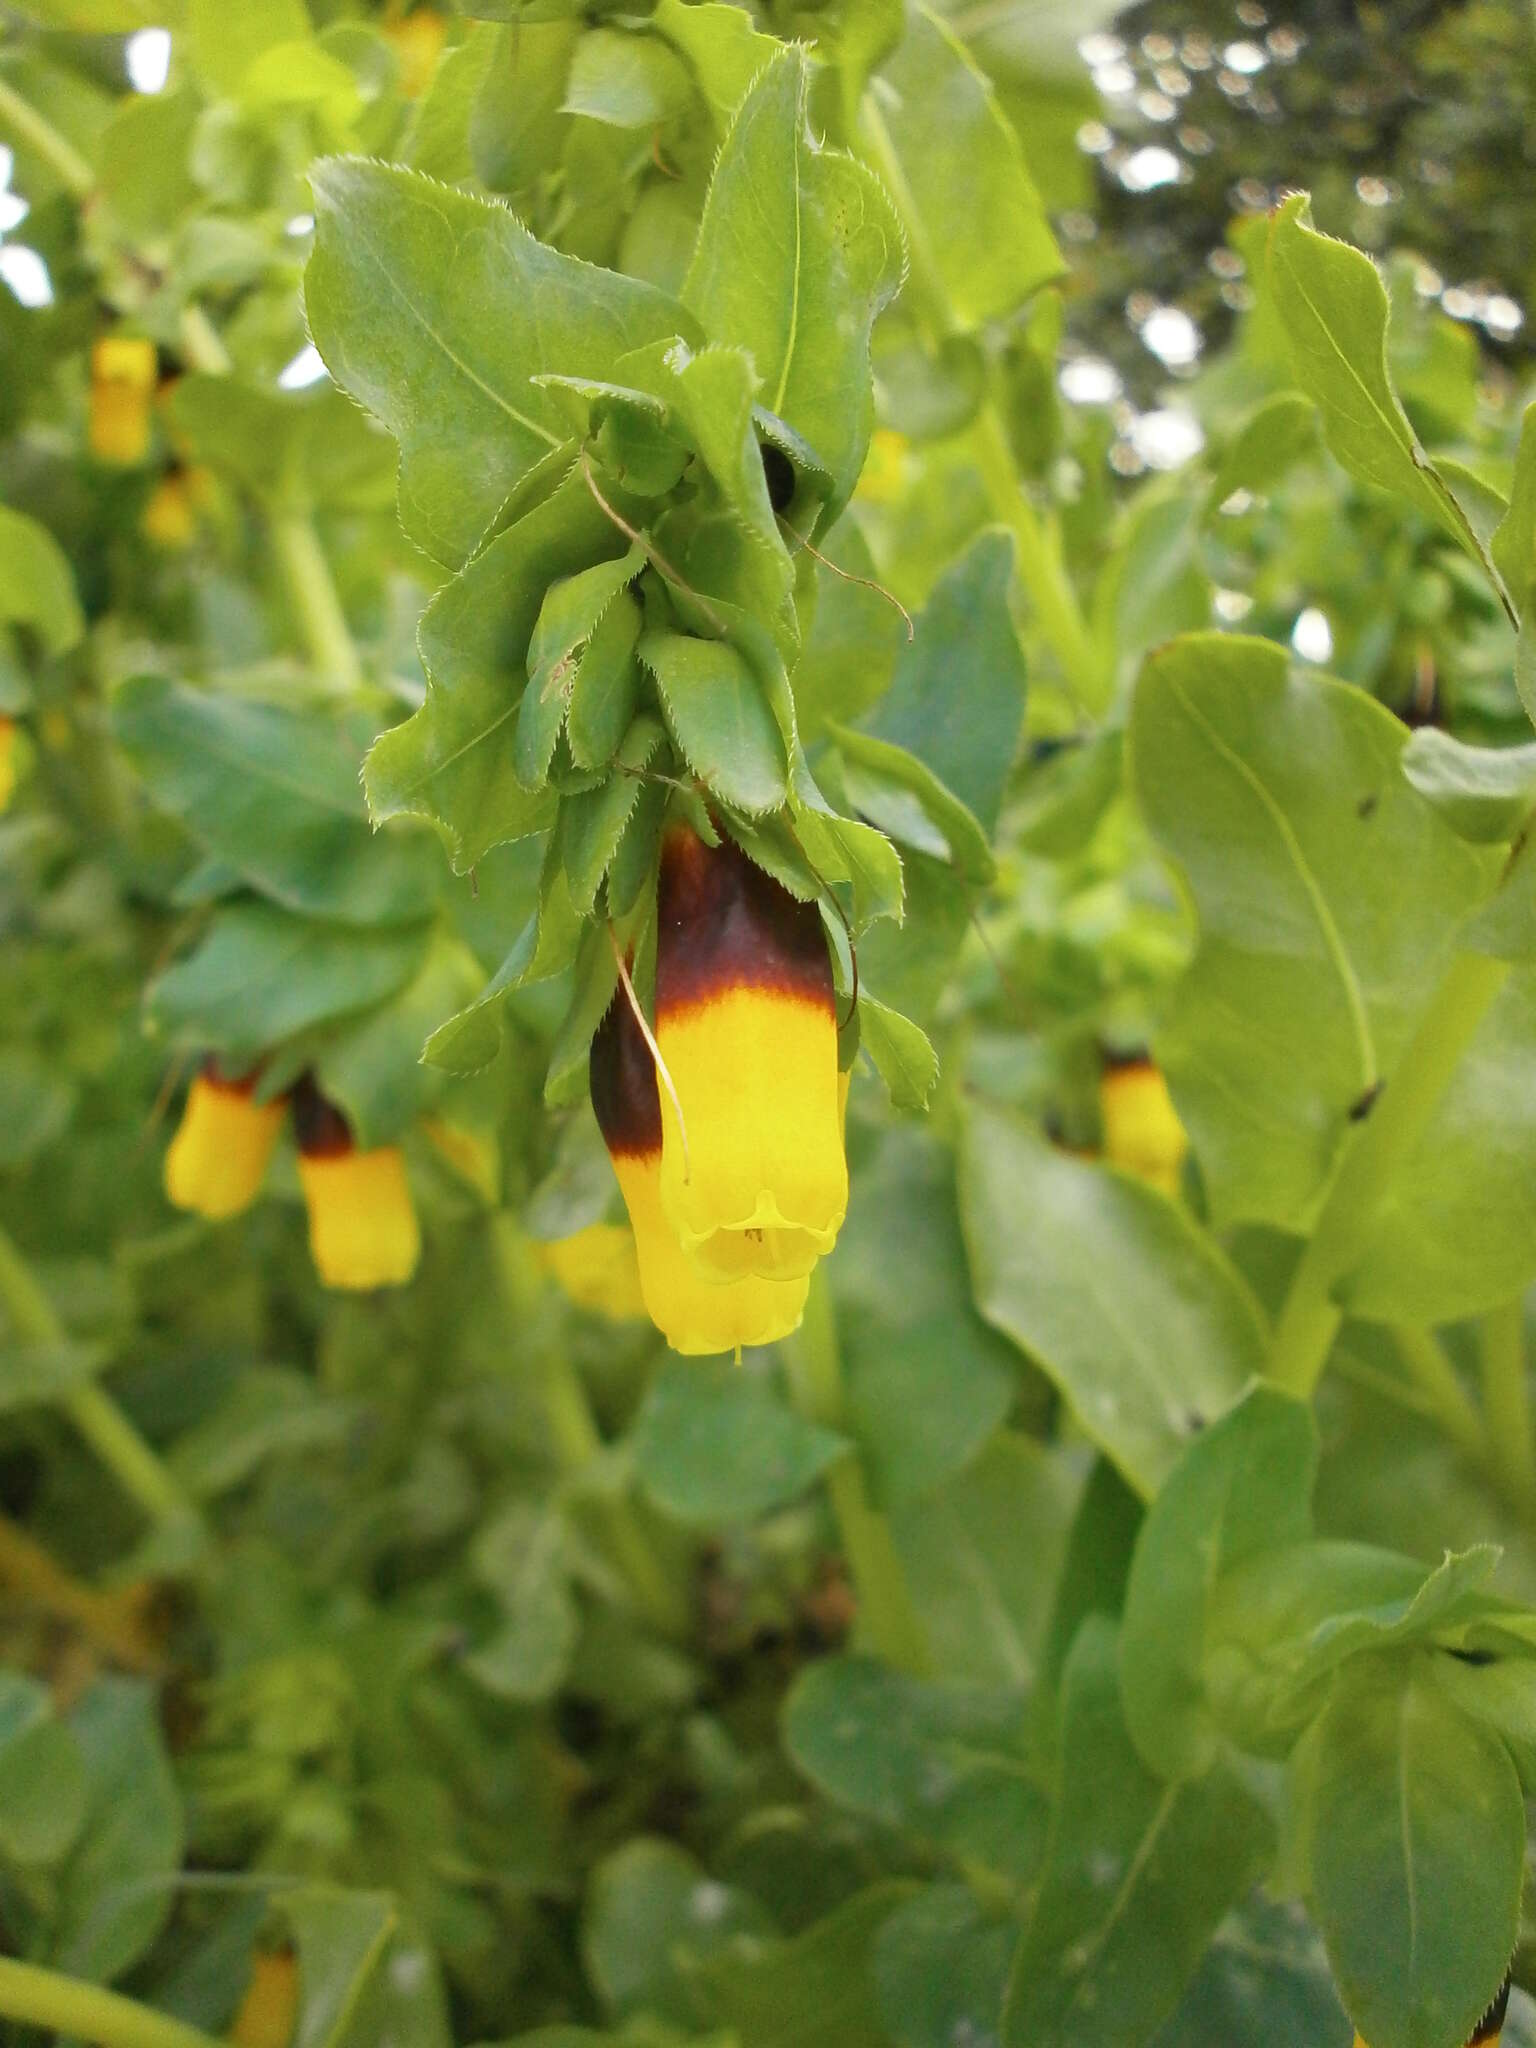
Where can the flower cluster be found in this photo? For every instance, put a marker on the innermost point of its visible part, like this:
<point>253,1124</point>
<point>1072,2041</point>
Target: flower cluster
<point>363,1231</point>
<point>729,1151</point>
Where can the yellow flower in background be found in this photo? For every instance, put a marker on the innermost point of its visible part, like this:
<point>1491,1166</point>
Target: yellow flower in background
<point>418,42</point>
<point>597,1268</point>
<point>363,1231</point>
<point>169,518</point>
<point>1488,2029</point>
<point>696,1312</point>
<point>218,1157</point>
<point>271,2002</point>
<point>1142,1132</point>
<point>755,1181</point>
<point>124,370</point>
<point>471,1154</point>
<point>7,759</point>
<point>887,468</point>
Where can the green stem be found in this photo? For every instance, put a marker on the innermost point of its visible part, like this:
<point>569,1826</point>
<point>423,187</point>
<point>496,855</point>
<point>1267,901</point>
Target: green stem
<point>202,343</point>
<point>64,2006</point>
<point>307,574</point>
<point>1041,569</point>
<point>1507,1400</point>
<point>575,1434</point>
<point>34,132</point>
<point>814,1367</point>
<point>137,1469</point>
<point>1311,1316</point>
<point>1435,1377</point>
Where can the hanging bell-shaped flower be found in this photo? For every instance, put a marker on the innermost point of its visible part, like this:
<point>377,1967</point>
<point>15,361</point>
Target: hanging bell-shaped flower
<point>363,1231</point>
<point>597,1268</point>
<point>754,1178</point>
<point>124,370</point>
<point>1142,1131</point>
<point>219,1155</point>
<point>696,1312</point>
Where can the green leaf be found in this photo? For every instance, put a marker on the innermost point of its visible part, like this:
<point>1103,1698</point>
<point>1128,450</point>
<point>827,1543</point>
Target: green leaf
<point>36,1104</point>
<point>720,717</point>
<point>826,256</point>
<point>593,823</point>
<point>1514,542</point>
<point>605,689</point>
<point>982,1558</point>
<point>1264,1979</point>
<point>714,1447</point>
<point>342,1937</point>
<point>115,1891</point>
<point>372,1070</point>
<point>547,944</point>
<point>1139,1876</point>
<point>940,137</point>
<point>904,1059</point>
<point>261,974</point>
<point>1483,793</point>
<point>523,1558</point>
<point>1115,1292</point>
<point>936,1760</point>
<point>903,797</point>
<point>454,761</point>
<point>435,310</point>
<point>36,587</point>
<point>269,1411</point>
<point>626,80</point>
<point>274,795</point>
<point>956,699</point>
<point>1417,1833</point>
<point>1243,1487</point>
<point>517,128</point>
<point>816,1991</point>
<point>1277,433</point>
<point>926,1381</point>
<point>651,1913</point>
<point>940,1966</point>
<point>223,49</point>
<point>570,615</point>
<point>43,1789</point>
<point>1327,891</point>
<point>1334,307</point>
<point>725,51</point>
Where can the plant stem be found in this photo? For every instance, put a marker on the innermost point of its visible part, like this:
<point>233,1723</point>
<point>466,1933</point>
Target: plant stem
<point>34,132</point>
<point>1507,1400</point>
<point>1041,569</point>
<point>36,1997</point>
<point>1435,1377</point>
<point>815,1372</point>
<point>138,1470</point>
<point>202,344</point>
<point>1311,1316</point>
<point>575,1433</point>
<point>310,585</point>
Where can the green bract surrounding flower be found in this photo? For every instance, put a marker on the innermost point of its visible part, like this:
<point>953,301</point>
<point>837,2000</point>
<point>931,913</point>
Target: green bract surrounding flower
<point>767,1013</point>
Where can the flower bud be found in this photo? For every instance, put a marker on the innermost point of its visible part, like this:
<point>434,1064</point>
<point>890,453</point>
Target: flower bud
<point>695,1312</point>
<point>755,1179</point>
<point>169,518</point>
<point>124,369</point>
<point>363,1231</point>
<point>219,1154</point>
<point>1142,1132</point>
<point>418,42</point>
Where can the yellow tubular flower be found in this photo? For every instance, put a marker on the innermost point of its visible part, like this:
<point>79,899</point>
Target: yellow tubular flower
<point>697,1314</point>
<point>597,1268</point>
<point>271,2002</point>
<point>363,1231</point>
<point>220,1151</point>
<point>418,41</point>
<point>756,1181</point>
<point>123,374</point>
<point>883,478</point>
<point>1488,2029</point>
<point>7,759</point>
<point>1142,1132</point>
<point>169,518</point>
